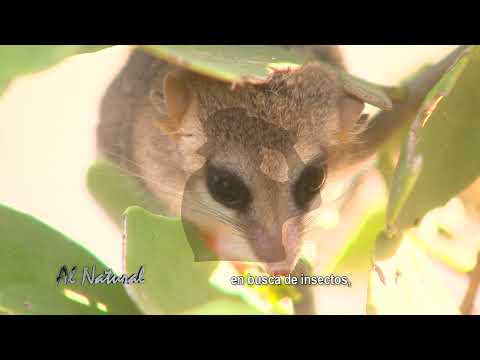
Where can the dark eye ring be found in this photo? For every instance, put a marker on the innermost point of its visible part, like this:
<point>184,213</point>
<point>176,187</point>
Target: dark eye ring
<point>309,184</point>
<point>227,188</point>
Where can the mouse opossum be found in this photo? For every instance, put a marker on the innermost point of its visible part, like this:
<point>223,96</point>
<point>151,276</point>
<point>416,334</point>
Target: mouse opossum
<point>245,165</point>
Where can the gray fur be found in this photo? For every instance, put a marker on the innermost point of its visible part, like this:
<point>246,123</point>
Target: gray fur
<point>302,107</point>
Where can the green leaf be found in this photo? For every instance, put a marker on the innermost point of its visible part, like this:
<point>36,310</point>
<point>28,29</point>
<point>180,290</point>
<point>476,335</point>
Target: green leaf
<point>256,63</point>
<point>174,282</point>
<point>234,64</point>
<point>116,190</point>
<point>388,151</point>
<point>31,256</point>
<point>405,176</point>
<point>440,157</point>
<point>18,60</point>
<point>154,241</point>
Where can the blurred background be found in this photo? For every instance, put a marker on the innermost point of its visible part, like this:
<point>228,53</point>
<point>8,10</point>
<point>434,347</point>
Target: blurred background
<point>47,143</point>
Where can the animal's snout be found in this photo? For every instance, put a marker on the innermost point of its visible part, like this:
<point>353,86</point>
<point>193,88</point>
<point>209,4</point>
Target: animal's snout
<point>269,248</point>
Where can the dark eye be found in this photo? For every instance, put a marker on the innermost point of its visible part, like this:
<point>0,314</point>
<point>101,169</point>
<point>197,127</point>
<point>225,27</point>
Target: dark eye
<point>227,188</point>
<point>309,184</point>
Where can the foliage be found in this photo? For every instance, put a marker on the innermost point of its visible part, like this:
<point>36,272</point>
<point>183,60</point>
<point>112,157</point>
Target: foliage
<point>31,257</point>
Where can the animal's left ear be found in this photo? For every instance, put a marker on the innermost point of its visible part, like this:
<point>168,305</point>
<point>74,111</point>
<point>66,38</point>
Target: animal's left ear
<point>379,96</point>
<point>176,98</point>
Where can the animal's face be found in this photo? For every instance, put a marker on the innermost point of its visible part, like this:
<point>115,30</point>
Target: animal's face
<point>258,158</point>
<point>251,216</point>
<point>266,208</point>
<point>261,184</point>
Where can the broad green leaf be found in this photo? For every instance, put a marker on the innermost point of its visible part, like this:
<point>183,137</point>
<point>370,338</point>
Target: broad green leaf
<point>238,64</point>
<point>116,190</point>
<point>407,283</point>
<point>174,282</point>
<point>31,256</point>
<point>440,157</point>
<point>232,63</point>
<point>405,176</point>
<point>386,154</point>
<point>155,241</point>
<point>18,60</point>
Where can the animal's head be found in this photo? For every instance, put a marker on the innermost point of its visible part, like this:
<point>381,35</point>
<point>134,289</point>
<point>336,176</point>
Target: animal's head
<point>259,157</point>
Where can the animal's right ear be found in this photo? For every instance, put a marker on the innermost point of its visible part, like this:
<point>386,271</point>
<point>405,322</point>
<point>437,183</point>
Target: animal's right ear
<point>366,92</point>
<point>177,98</point>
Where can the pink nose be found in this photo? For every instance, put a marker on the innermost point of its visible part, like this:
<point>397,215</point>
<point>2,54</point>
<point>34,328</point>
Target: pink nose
<point>279,269</point>
<point>280,273</point>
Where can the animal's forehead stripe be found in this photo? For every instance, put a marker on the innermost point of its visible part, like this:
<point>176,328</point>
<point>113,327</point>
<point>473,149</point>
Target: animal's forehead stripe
<point>274,165</point>
<point>234,126</point>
